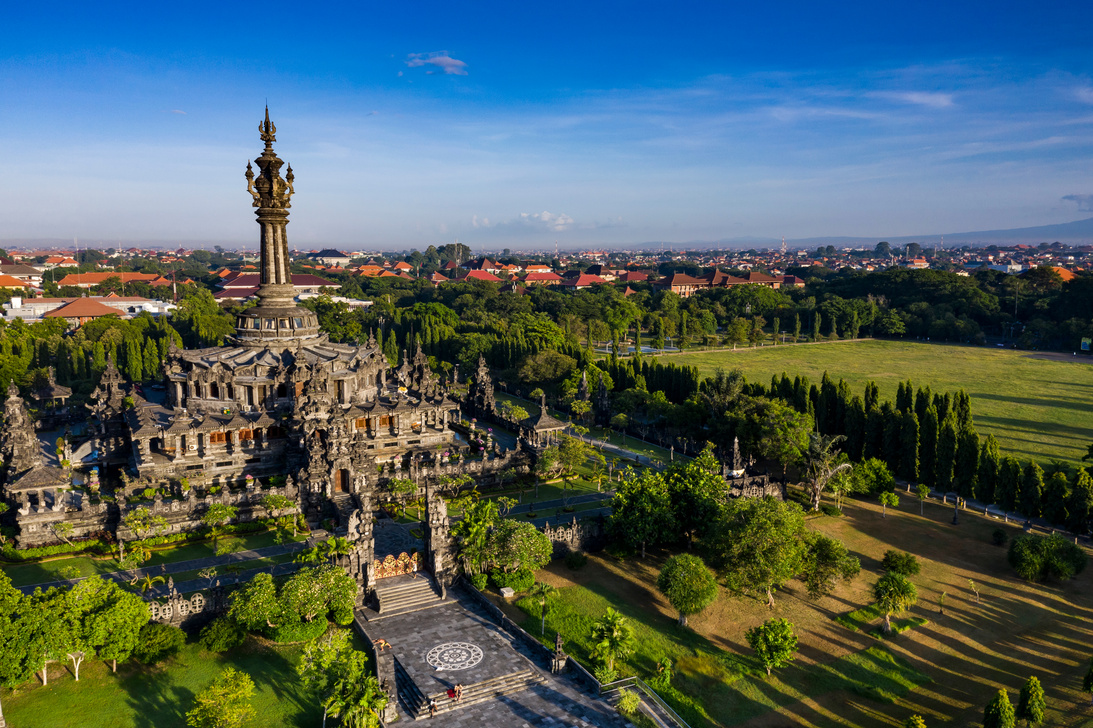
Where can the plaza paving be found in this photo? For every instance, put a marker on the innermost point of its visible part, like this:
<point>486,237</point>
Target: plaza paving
<point>479,650</point>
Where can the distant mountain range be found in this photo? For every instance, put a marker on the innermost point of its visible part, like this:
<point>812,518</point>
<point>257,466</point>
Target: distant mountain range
<point>1077,232</point>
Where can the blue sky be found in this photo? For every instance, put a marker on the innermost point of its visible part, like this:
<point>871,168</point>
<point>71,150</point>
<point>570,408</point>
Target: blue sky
<point>518,124</point>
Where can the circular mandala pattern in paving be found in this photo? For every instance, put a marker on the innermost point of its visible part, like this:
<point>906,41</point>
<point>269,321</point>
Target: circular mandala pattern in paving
<point>454,656</point>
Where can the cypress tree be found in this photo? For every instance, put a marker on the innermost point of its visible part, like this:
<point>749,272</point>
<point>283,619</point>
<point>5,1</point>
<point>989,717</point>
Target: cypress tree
<point>842,403</point>
<point>777,323</point>
<point>855,325</point>
<point>1079,506</point>
<point>946,454</point>
<point>855,428</point>
<point>903,396</point>
<point>833,332</point>
<point>872,395</point>
<point>962,405</point>
<point>1056,495</point>
<point>814,402</point>
<point>1009,483</point>
<point>134,366</point>
<point>151,359</point>
<point>816,326</point>
<point>999,712</point>
<point>874,434</point>
<point>966,465</point>
<point>893,422</point>
<point>800,394</point>
<point>908,436</point>
<point>987,474</point>
<point>923,399</point>
<point>1030,703</point>
<point>1030,500</point>
<point>943,403</point>
<point>927,447</point>
<point>796,327</point>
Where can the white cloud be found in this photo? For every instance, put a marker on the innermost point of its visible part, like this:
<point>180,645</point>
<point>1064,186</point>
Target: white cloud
<point>1085,202</point>
<point>1084,94</point>
<point>556,222</point>
<point>480,222</point>
<point>931,99</point>
<point>441,59</point>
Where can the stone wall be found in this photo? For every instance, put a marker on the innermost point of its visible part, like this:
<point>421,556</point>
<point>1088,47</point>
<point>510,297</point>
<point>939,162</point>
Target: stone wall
<point>191,611</point>
<point>589,534</point>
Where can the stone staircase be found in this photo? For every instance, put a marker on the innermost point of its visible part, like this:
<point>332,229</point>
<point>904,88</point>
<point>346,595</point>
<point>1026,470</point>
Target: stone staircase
<point>416,705</point>
<point>344,504</point>
<point>403,594</point>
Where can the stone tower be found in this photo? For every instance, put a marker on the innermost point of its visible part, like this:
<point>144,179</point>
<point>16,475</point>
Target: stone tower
<point>276,319</point>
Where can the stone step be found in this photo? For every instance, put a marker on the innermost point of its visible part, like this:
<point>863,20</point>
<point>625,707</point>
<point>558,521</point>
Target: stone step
<point>482,692</point>
<point>420,584</point>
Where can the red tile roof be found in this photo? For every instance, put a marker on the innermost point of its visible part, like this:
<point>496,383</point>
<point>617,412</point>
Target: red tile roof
<point>82,308</point>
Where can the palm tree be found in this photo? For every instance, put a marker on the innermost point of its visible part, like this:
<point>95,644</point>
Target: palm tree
<point>823,460</point>
<point>893,594</point>
<point>337,546</point>
<point>542,592</point>
<point>149,582</point>
<point>613,637</point>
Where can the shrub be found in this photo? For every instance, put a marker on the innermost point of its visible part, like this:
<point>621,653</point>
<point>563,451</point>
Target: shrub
<point>157,642</point>
<point>222,634</point>
<point>1044,558</point>
<point>520,580</point>
<point>149,493</point>
<point>829,510</point>
<point>900,562</point>
<point>605,674</point>
<point>297,631</point>
<point>479,581</point>
<point>629,702</point>
<point>999,537</point>
<point>575,560</point>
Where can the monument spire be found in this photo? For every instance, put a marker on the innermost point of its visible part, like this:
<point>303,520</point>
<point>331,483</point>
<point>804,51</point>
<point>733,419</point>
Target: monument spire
<point>276,317</point>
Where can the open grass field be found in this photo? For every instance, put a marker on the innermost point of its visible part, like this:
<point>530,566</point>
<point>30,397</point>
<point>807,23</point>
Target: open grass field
<point>156,697</point>
<point>946,667</point>
<point>1037,405</point>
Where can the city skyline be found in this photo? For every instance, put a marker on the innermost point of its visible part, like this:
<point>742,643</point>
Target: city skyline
<point>592,127</point>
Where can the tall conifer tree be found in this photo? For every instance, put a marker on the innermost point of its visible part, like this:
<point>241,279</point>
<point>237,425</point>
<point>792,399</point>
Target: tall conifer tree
<point>1030,500</point>
<point>966,464</point>
<point>927,451</point>
<point>987,473</point>
<point>908,435</point>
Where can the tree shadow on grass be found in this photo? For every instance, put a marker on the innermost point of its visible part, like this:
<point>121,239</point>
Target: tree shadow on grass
<point>156,699</point>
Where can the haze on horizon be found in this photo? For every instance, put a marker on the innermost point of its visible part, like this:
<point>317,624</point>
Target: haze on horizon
<point>520,125</point>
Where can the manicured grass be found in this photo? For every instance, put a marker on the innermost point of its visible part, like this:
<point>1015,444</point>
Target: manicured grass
<point>151,697</point>
<point>946,668</point>
<point>1037,405</point>
<point>46,571</point>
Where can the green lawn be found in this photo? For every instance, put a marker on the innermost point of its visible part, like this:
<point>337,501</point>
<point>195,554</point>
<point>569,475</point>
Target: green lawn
<point>157,697</point>
<point>1037,405</point>
<point>46,571</point>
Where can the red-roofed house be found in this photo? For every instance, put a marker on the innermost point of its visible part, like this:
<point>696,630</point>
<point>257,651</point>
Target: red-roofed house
<point>548,278</point>
<point>82,310</point>
<point>584,280</point>
<point>1065,274</point>
<point>12,283</point>
<point>480,275</point>
<point>682,284</point>
<point>633,276</point>
<point>87,280</point>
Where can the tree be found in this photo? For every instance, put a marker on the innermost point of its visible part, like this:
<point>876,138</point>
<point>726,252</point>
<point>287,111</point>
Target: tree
<point>872,476</point>
<point>542,592</point>
<point>946,454</point>
<point>1031,704</point>
<point>323,669</point>
<point>1009,484</point>
<point>108,618</point>
<point>1056,495</point>
<point>966,464</point>
<point>923,492</point>
<point>571,454</point>
<point>642,511</point>
<point>999,712</point>
<point>687,584</point>
<point>826,561</point>
<point>473,530</point>
<point>224,703</point>
<point>515,546</point>
<point>758,545</point>
<point>612,638</point>
<point>987,474</point>
<point>888,498</point>
<point>915,721</point>
<point>696,491</point>
<point>771,430</point>
<point>143,523</point>
<point>19,657</point>
<point>255,604</point>
<point>1030,499</point>
<point>908,433</point>
<point>216,515</point>
<point>1079,506</point>
<point>823,462</point>
<point>893,594</point>
<point>927,448</point>
<point>316,591</point>
<point>900,562</point>
<point>357,698</point>
<point>774,643</point>
<point>1046,558</point>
